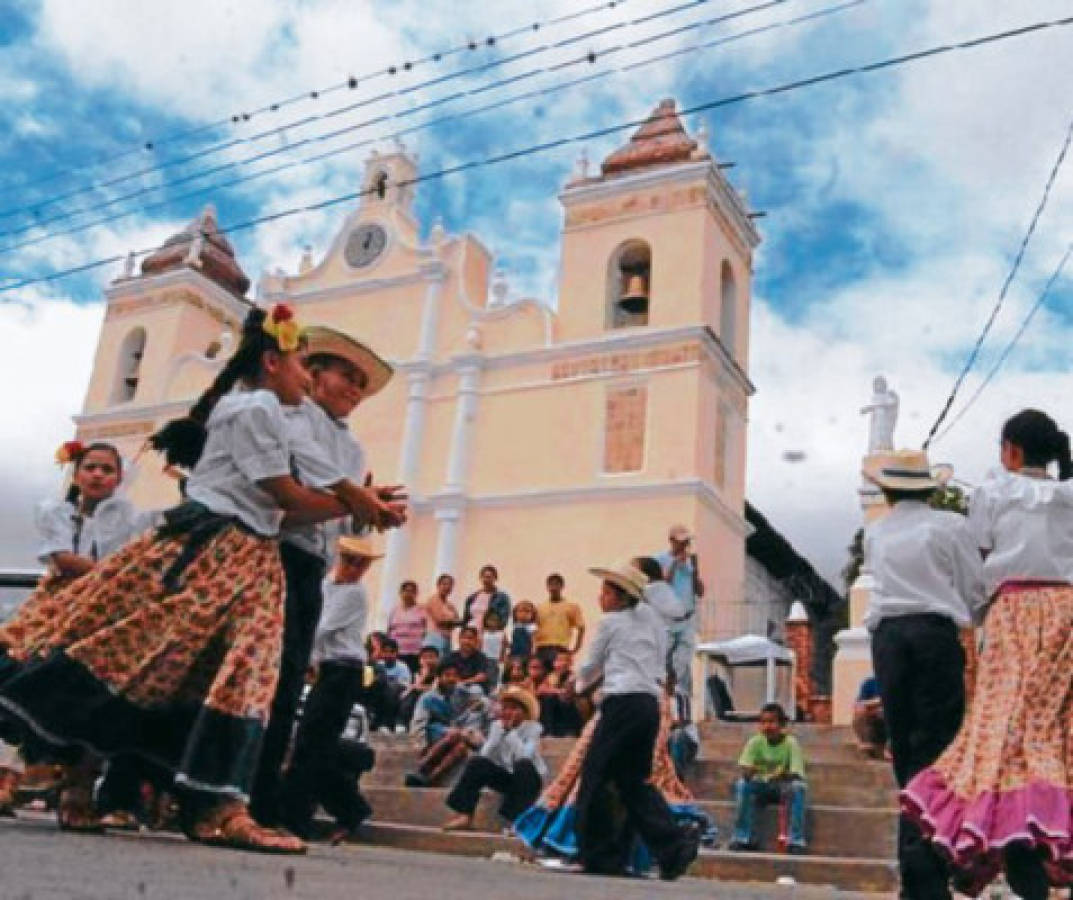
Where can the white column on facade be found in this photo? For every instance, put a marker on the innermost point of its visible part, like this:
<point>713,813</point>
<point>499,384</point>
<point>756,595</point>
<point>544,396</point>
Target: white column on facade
<point>453,498</point>
<point>397,552</point>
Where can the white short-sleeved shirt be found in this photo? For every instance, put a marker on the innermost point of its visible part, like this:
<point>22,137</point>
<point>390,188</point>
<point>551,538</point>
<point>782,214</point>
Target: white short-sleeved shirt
<point>923,561</point>
<point>630,650</point>
<point>113,523</point>
<point>1026,525</point>
<point>324,452</point>
<point>340,635</point>
<point>247,442</point>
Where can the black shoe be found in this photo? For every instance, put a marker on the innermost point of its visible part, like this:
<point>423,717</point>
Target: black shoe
<point>741,847</point>
<point>414,780</point>
<point>681,858</point>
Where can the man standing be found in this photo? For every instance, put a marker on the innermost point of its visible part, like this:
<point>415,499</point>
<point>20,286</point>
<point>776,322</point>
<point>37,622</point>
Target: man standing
<point>680,569</point>
<point>560,624</point>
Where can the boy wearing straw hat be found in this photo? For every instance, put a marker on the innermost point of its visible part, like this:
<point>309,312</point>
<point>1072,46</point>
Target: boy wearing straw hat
<point>628,657</point>
<point>509,762</point>
<point>325,455</point>
<point>928,583</point>
<point>317,773</point>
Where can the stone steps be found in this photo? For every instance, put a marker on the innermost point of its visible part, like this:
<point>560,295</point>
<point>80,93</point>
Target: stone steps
<point>871,875</point>
<point>843,831</point>
<point>830,783</point>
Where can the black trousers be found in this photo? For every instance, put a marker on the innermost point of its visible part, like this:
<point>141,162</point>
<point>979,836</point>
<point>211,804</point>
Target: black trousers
<point>320,770</point>
<point>519,788</point>
<point>304,573</point>
<point>620,758</point>
<point>920,666</point>
<point>560,718</point>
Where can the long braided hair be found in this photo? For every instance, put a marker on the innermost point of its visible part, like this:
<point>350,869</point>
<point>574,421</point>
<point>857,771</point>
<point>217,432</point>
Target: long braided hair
<point>1041,440</point>
<point>182,440</point>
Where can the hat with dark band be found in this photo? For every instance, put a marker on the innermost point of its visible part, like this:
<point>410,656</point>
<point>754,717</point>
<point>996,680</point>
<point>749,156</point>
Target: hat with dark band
<point>906,470</point>
<point>320,339</point>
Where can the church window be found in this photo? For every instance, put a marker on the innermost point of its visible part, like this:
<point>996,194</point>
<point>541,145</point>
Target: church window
<point>380,185</point>
<point>728,308</point>
<point>629,279</point>
<point>131,352</point>
<point>624,429</point>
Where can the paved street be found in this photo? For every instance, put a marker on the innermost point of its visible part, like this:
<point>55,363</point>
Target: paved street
<point>39,863</point>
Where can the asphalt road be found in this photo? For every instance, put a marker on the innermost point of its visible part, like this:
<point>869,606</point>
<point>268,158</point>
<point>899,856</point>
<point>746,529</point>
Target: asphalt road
<point>39,863</point>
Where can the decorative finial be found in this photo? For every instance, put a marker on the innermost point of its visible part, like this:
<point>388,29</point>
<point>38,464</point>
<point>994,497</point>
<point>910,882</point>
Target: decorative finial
<point>437,233</point>
<point>128,265</point>
<point>500,287</point>
<point>702,139</point>
<point>306,262</point>
<point>581,169</point>
<point>474,338</point>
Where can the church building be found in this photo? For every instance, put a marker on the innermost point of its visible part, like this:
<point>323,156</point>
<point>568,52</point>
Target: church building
<point>539,438</point>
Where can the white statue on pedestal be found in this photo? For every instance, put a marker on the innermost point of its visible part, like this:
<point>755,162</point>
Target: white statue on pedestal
<point>883,409</point>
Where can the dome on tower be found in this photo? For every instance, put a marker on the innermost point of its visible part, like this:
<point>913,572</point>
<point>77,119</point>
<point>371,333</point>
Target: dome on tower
<point>201,246</point>
<point>661,140</point>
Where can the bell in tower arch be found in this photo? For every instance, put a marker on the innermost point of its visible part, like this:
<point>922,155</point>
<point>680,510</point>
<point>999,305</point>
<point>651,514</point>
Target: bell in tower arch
<point>631,281</point>
<point>634,299</point>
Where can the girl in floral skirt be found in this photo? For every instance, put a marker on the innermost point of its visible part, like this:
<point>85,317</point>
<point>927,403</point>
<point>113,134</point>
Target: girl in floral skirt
<point>1001,795</point>
<point>170,647</point>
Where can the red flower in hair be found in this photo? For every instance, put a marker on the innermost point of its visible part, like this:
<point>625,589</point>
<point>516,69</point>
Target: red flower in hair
<point>281,312</point>
<point>69,451</point>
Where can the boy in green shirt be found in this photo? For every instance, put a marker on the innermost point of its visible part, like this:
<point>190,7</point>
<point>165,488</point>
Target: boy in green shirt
<point>772,771</point>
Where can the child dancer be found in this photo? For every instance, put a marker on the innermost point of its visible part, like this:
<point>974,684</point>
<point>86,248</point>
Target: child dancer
<point>927,585</point>
<point>628,652</point>
<point>1001,795</point>
<point>326,455</point>
<point>170,648</point>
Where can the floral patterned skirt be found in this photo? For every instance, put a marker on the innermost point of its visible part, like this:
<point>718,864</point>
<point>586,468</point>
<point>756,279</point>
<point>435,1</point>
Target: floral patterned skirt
<point>116,663</point>
<point>35,617</point>
<point>1008,775</point>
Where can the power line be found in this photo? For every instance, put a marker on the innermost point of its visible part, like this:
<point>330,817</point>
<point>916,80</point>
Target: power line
<point>442,120</point>
<point>352,82</point>
<point>971,361</point>
<point>41,221</point>
<point>1013,341</point>
<point>786,87</point>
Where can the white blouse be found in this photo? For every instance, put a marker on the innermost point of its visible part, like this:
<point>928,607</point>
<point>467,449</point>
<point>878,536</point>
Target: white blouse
<point>247,442</point>
<point>324,452</point>
<point>923,561</point>
<point>112,524</point>
<point>630,650</point>
<point>1026,526</point>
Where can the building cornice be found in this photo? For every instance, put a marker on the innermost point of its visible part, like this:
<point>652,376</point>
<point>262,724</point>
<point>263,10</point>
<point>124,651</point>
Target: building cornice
<point>696,487</point>
<point>126,289</point>
<point>128,413</point>
<point>350,288</point>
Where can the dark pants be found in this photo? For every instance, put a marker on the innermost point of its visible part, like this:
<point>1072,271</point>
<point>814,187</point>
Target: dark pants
<point>519,788</point>
<point>559,718</point>
<point>620,756</point>
<point>319,770</point>
<point>121,787</point>
<point>547,654</point>
<point>383,703</point>
<point>920,665</point>
<point>304,573</point>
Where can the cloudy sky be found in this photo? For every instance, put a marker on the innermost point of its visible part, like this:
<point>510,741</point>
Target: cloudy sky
<point>894,201</point>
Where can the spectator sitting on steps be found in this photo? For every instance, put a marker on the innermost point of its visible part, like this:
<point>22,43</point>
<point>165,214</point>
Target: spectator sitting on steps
<point>450,722</point>
<point>772,771</point>
<point>869,726</point>
<point>472,666</point>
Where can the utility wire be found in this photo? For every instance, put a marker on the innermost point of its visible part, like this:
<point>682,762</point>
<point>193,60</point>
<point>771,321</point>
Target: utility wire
<point>41,221</point>
<point>971,361</point>
<point>786,87</point>
<point>36,206</point>
<point>442,120</point>
<point>352,82</point>
<point>1013,342</point>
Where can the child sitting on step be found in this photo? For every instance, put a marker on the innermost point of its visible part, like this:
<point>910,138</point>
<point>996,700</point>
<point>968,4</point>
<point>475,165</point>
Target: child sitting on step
<point>772,771</point>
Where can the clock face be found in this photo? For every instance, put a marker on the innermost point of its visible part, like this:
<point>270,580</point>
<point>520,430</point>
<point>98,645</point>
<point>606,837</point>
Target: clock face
<point>365,244</point>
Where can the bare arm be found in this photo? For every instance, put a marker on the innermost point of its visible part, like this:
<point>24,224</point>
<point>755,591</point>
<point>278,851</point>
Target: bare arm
<point>301,505</point>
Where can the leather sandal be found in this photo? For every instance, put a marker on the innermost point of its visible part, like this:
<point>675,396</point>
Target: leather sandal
<point>229,824</point>
<point>76,811</point>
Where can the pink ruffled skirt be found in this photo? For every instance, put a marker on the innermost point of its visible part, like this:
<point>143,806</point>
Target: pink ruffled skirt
<point>1008,775</point>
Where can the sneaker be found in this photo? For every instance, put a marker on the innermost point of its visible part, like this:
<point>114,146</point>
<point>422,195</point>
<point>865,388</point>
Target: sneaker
<point>681,858</point>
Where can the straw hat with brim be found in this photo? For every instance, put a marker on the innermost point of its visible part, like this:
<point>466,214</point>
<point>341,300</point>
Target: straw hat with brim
<point>352,545</point>
<point>906,470</point>
<point>680,533</point>
<point>323,340</point>
<point>624,575</point>
<point>523,698</point>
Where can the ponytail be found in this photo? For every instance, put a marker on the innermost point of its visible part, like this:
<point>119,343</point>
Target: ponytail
<point>182,440</point>
<point>1061,454</point>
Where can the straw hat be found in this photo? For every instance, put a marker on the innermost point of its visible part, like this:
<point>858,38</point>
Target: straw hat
<point>679,533</point>
<point>624,575</point>
<point>352,545</point>
<point>523,698</point>
<point>322,339</point>
<point>906,470</point>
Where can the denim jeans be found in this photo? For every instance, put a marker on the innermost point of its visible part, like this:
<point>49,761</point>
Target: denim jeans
<point>750,793</point>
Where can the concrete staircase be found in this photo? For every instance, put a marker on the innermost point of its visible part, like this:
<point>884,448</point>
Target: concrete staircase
<point>851,829</point>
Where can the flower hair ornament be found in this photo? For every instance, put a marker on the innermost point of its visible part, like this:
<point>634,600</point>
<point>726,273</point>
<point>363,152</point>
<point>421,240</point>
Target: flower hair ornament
<point>70,451</point>
<point>283,327</point>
